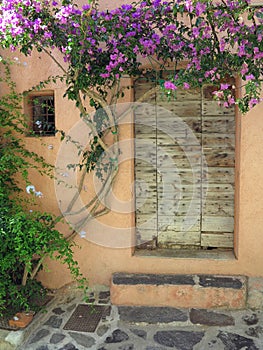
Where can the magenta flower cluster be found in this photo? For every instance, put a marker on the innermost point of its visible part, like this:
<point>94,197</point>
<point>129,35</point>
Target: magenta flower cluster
<point>215,40</point>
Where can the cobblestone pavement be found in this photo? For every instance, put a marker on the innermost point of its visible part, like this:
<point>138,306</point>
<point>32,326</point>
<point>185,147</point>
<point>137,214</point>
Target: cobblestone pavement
<point>144,328</point>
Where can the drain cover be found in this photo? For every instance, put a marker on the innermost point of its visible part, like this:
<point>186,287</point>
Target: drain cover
<point>85,318</point>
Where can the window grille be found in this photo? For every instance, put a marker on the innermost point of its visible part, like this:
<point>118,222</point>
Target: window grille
<point>43,115</point>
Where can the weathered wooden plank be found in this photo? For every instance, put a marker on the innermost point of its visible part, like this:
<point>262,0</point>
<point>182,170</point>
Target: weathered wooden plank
<point>180,208</point>
<point>165,114</point>
<point>146,143</point>
<point>147,155</point>
<point>147,195</point>
<point>147,222</point>
<point>178,223</point>
<point>217,196</point>
<point>219,157</point>
<point>174,126</point>
<point>178,193</point>
<point>144,140</point>
<point>226,141</point>
<point>178,176</point>
<point>145,200</point>
<point>217,224</point>
<point>145,129</point>
<point>218,240</point>
<point>178,129</point>
<point>215,191</point>
<point>212,108</point>
<point>182,110</point>
<point>185,138</point>
<point>166,194</point>
<point>219,207</point>
<point>178,161</point>
<point>185,151</point>
<point>180,137</point>
<point>170,239</point>
<point>177,188</point>
<point>216,124</point>
<point>181,95</point>
<point>219,175</point>
<point>144,235</point>
<point>141,86</point>
<point>144,113</point>
<point>146,207</point>
<point>146,116</point>
<point>148,174</point>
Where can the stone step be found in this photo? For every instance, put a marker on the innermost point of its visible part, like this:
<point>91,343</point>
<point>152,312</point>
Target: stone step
<point>182,317</point>
<point>179,291</point>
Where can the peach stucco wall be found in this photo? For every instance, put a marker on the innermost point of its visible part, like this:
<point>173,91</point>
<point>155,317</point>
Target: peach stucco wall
<point>98,256</point>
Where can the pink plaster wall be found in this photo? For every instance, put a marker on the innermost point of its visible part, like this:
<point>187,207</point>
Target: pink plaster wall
<point>99,261</point>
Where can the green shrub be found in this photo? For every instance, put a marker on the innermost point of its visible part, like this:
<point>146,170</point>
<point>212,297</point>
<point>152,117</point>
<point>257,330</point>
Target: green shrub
<point>27,236</point>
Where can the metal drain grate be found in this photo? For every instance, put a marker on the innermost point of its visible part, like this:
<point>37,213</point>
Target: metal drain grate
<point>86,318</point>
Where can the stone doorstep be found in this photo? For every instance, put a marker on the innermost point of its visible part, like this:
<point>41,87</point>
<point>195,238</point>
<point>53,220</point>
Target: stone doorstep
<point>180,291</point>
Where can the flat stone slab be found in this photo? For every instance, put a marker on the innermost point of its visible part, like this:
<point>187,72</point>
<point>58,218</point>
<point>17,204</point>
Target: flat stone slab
<point>83,339</point>
<point>117,336</point>
<point>233,341</point>
<point>150,314</point>
<point>221,282</point>
<point>233,282</point>
<point>42,333</point>
<point>210,318</point>
<point>139,332</point>
<point>133,279</point>
<point>54,321</point>
<point>58,311</point>
<point>254,332</point>
<point>69,346</point>
<point>182,340</point>
<point>102,330</point>
<point>56,338</point>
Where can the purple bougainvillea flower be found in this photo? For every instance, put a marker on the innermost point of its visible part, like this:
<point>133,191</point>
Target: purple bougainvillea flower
<point>170,86</point>
<point>224,86</point>
<point>250,77</point>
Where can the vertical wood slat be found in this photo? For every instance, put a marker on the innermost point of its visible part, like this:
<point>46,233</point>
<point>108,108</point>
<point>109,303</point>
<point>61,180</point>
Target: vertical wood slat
<point>218,140</point>
<point>145,167</point>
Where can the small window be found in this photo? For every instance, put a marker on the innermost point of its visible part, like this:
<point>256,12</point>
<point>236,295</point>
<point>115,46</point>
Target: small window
<point>42,109</point>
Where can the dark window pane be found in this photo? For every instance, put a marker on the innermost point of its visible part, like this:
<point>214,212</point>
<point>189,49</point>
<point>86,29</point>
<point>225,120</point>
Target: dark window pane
<point>43,115</point>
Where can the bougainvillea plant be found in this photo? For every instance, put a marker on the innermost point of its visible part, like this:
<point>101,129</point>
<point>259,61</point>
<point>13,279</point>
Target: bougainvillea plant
<point>214,38</point>
<point>201,41</point>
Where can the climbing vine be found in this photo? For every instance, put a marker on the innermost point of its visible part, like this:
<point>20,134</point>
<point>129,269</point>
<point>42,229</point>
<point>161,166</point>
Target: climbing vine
<point>28,235</point>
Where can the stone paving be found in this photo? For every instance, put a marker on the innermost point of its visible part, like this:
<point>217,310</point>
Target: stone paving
<point>145,328</point>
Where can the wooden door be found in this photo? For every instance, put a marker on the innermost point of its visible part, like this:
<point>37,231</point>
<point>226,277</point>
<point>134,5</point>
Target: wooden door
<point>184,169</point>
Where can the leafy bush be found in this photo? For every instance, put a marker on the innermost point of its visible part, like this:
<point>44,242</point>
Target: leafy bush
<point>27,237</point>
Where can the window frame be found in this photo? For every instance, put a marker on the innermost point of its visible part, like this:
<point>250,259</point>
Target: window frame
<point>32,118</point>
